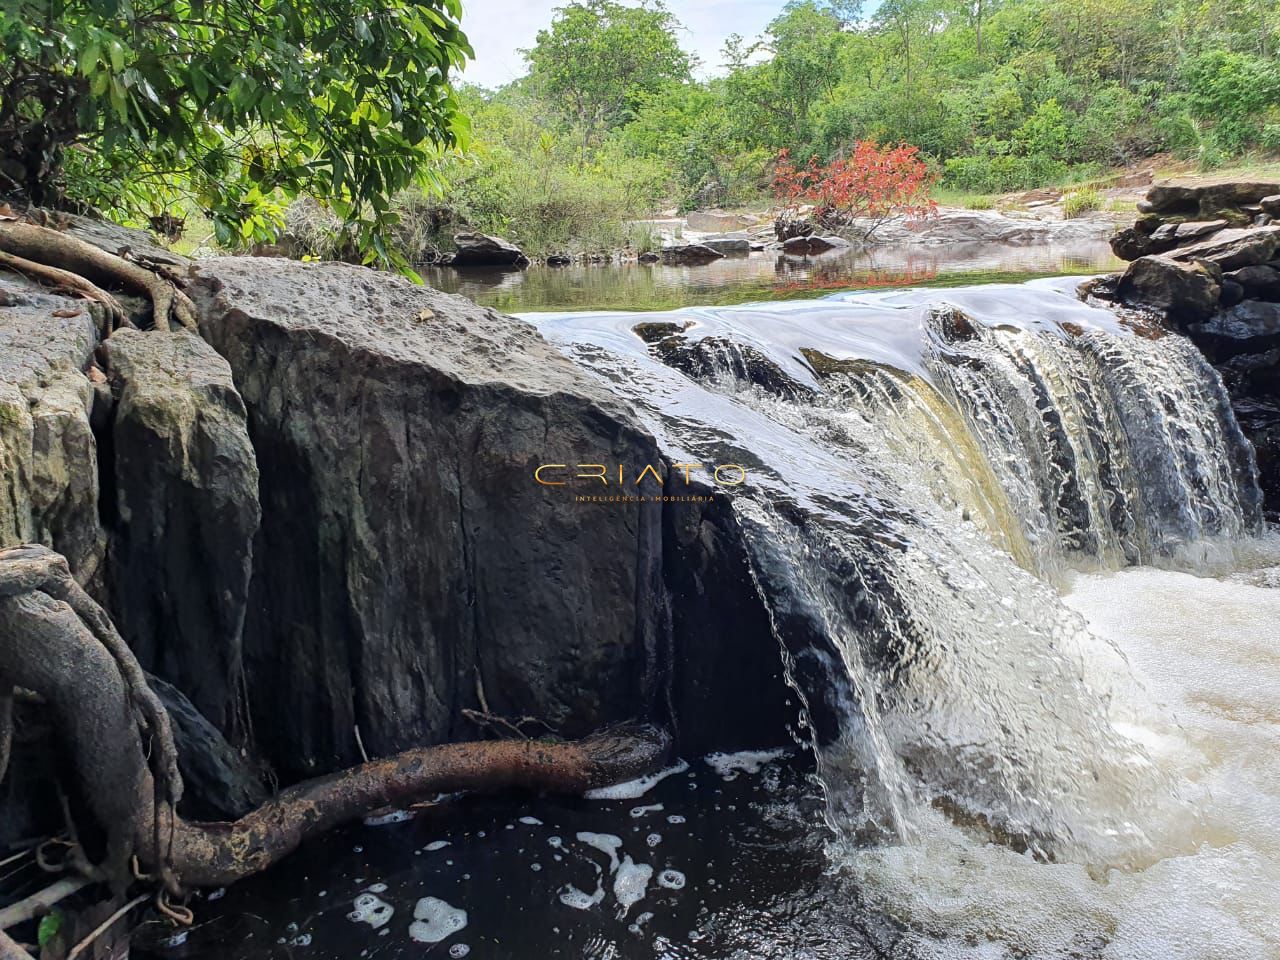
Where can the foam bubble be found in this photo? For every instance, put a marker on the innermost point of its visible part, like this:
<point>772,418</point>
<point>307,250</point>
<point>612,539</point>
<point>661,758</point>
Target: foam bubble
<point>729,765</point>
<point>671,879</point>
<point>395,816</point>
<point>571,896</point>
<point>631,884</point>
<point>634,789</point>
<point>371,909</point>
<point>435,920</point>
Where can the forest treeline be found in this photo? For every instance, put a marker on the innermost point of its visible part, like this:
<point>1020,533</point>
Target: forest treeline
<point>999,95</point>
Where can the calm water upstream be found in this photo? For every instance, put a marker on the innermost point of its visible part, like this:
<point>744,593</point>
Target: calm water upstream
<point>1016,548</point>
<point>766,276</point>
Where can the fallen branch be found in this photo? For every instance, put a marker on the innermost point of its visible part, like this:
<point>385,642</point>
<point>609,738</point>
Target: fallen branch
<point>103,927</point>
<point>61,644</point>
<point>56,250</point>
<point>40,903</point>
<point>10,950</point>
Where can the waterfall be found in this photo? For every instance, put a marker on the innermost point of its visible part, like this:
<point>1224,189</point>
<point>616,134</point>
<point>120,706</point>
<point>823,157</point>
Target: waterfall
<point>924,467</point>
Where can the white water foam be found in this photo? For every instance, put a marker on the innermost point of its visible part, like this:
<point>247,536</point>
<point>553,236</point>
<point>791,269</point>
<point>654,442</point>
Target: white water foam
<point>434,920</point>
<point>1206,654</point>
<point>634,789</point>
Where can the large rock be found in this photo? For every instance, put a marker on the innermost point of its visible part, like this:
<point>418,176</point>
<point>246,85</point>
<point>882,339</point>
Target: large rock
<point>48,455</point>
<point>1233,249</point>
<point>1130,243</point>
<point>185,480</point>
<point>1185,291</point>
<point>718,221</point>
<point>804,246</point>
<point>690,254</point>
<point>1261,282</point>
<point>482,250</point>
<point>1207,199</point>
<point>729,246</point>
<point>409,566</point>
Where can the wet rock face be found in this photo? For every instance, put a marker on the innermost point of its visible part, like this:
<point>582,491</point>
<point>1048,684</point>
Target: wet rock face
<point>481,250</point>
<point>409,566</point>
<point>185,482</point>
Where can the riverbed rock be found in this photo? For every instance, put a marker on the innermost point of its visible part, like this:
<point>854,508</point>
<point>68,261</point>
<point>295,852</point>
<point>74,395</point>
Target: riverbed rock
<point>185,482</point>
<point>48,455</point>
<point>409,566</point>
<point>1186,291</point>
<point>718,221</point>
<point>690,254</point>
<point>1233,249</point>
<point>482,250</point>
<point>729,246</point>
<point>805,246</point>
<point>1187,230</point>
<point>1260,281</point>
<point>1130,243</point>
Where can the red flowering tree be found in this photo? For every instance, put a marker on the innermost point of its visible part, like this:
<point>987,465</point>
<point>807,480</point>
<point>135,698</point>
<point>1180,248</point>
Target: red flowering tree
<point>874,183</point>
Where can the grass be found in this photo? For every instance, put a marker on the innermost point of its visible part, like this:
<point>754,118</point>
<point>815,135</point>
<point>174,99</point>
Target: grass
<point>1080,202</point>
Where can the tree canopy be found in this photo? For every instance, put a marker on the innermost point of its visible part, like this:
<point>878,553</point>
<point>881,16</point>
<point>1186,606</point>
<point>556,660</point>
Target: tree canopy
<point>130,105</point>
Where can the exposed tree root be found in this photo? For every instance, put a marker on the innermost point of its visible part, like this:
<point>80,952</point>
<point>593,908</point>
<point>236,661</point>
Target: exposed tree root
<point>59,643</point>
<point>71,282</point>
<point>55,250</point>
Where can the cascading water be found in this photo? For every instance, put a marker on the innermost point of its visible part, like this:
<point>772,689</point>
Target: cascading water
<point>926,470</point>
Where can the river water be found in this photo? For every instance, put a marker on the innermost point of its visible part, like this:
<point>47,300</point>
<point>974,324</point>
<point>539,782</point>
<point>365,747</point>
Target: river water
<point>1016,543</point>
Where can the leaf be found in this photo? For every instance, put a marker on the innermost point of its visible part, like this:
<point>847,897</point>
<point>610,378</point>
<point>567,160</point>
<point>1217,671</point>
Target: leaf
<point>49,927</point>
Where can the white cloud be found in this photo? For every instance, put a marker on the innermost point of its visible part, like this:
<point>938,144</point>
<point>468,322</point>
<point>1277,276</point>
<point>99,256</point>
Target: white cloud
<point>499,29</point>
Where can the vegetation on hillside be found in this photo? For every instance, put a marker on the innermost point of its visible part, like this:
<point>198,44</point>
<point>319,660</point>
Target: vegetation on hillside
<point>998,95</point>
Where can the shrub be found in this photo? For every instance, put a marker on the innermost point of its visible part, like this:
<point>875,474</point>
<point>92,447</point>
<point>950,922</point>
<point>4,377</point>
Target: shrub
<point>1081,202</point>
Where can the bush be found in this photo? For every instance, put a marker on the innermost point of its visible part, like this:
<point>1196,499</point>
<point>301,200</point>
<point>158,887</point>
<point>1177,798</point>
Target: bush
<point>1002,173</point>
<point>1081,202</point>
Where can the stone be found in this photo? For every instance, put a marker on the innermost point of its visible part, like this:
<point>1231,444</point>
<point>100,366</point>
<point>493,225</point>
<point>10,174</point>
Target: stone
<point>1232,249</point>
<point>1240,193</point>
<point>185,482</point>
<point>1165,198</point>
<point>718,221</point>
<point>804,246</point>
<point>1271,204</point>
<point>408,563</point>
<point>729,246</point>
<point>1185,291</point>
<point>219,782</point>
<point>1130,243</point>
<point>1188,230</point>
<point>482,250</point>
<point>1210,199</point>
<point>687,254</point>
<point>1232,293</point>
<point>559,260</point>
<point>1260,282</point>
<point>49,490</point>
<point>649,256</point>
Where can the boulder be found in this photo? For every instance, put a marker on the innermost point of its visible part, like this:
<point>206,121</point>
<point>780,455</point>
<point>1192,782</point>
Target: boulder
<point>1271,204</point>
<point>1188,230</point>
<point>482,250</point>
<point>185,512</point>
<point>729,246</point>
<point>1185,291</point>
<point>1207,199</point>
<point>1233,249</point>
<point>49,487</point>
<point>689,254</point>
<point>1249,327</point>
<point>1167,198</point>
<point>804,246</point>
<point>409,566</point>
<point>718,221</point>
<point>1130,243</point>
<point>1261,282</point>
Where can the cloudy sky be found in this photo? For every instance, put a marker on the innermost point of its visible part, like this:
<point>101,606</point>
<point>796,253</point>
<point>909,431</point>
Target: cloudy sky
<point>499,28</point>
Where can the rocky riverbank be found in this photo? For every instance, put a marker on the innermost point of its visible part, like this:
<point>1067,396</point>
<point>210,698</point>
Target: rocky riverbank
<point>319,522</point>
<point>1206,256</point>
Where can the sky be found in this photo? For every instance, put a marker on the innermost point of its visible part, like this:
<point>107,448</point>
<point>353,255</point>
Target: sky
<point>498,29</point>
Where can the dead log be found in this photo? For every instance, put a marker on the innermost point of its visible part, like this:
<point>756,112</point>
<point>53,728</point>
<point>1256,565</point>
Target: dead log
<point>95,268</point>
<point>54,644</point>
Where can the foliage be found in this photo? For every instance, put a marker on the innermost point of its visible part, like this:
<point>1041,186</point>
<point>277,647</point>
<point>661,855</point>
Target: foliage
<point>1080,202</point>
<point>601,57</point>
<point>235,105</point>
<point>872,182</point>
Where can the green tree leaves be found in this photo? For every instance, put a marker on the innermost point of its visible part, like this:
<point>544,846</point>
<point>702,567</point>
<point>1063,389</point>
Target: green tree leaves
<point>236,104</point>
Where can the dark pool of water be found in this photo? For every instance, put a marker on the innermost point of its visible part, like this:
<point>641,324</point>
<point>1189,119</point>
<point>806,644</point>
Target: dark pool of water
<point>767,276</point>
<point>750,880</point>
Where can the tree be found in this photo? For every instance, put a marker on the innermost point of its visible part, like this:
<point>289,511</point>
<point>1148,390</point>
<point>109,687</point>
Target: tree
<point>601,59</point>
<point>873,182</point>
<point>233,103</point>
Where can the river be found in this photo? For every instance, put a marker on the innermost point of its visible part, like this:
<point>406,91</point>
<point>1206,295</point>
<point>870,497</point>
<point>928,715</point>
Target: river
<point>1014,544</point>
